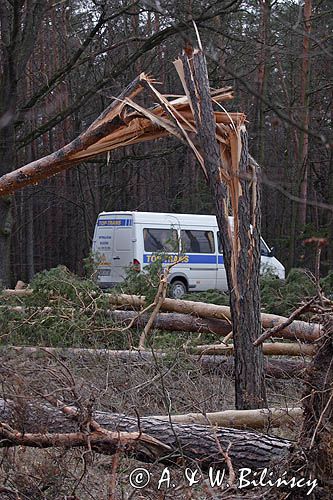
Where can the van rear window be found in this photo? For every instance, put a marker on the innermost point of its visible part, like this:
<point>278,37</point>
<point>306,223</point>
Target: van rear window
<point>197,241</point>
<point>160,240</point>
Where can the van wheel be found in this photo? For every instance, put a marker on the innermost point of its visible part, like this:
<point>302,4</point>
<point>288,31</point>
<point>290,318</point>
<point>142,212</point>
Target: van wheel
<point>177,289</point>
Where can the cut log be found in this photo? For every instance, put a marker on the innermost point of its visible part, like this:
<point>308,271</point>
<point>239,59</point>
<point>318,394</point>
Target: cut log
<point>269,349</point>
<point>298,329</point>
<point>282,369</point>
<point>240,419</point>
<point>201,443</point>
<point>8,292</point>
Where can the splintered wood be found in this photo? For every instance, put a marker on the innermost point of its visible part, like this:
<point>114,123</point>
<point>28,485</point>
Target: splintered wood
<point>126,122</point>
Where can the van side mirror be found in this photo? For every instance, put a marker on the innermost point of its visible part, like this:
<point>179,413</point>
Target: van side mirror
<point>271,252</point>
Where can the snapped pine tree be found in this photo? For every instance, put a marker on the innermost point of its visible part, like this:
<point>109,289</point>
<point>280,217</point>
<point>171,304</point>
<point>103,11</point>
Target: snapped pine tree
<point>219,141</point>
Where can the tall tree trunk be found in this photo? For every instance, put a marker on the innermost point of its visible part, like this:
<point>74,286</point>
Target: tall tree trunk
<point>304,138</point>
<point>8,93</point>
<point>19,26</point>
<point>263,56</point>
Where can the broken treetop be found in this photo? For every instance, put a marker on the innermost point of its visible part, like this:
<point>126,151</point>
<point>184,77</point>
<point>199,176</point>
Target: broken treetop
<point>126,122</point>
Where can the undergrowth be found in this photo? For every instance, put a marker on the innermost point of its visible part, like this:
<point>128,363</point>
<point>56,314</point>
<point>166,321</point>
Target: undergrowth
<point>68,311</point>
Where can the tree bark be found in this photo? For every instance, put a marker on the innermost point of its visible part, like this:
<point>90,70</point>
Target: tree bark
<point>196,442</point>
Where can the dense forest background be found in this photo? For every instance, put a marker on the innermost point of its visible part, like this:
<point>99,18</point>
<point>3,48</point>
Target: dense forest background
<point>61,63</point>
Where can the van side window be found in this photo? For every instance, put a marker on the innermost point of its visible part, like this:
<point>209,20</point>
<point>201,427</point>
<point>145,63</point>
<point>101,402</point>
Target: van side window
<point>160,240</point>
<point>197,241</point>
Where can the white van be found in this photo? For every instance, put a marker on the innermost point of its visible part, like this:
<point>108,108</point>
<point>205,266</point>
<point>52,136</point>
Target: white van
<point>124,239</point>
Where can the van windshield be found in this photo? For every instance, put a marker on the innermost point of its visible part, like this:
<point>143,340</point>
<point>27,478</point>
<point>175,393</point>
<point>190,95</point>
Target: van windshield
<point>160,240</point>
<point>264,250</point>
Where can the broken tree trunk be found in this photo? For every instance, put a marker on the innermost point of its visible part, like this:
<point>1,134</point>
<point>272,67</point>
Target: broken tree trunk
<point>230,177</point>
<point>69,155</point>
<point>201,443</point>
<point>297,330</point>
<point>173,322</point>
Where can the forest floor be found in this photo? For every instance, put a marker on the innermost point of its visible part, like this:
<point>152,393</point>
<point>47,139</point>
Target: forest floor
<point>174,384</point>
<point>130,388</point>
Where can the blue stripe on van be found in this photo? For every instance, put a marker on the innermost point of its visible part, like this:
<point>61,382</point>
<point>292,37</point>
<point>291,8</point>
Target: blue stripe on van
<point>114,222</point>
<point>220,259</point>
<point>148,258</point>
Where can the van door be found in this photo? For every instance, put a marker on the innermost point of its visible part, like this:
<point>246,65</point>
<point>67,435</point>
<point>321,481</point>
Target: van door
<point>102,250</point>
<point>123,252</point>
<point>200,264</point>
<point>113,247</point>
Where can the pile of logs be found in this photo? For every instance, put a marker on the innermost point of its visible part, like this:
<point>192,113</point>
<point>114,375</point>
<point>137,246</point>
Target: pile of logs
<point>299,338</point>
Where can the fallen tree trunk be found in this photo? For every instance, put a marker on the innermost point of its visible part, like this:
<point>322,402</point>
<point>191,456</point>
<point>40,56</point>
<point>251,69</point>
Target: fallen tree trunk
<point>190,316</point>
<point>269,349</point>
<point>240,419</point>
<point>174,322</point>
<point>298,329</point>
<point>219,365</point>
<point>163,321</point>
<point>201,443</point>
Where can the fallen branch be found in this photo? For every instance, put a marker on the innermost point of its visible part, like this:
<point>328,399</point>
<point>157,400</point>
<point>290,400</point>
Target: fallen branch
<point>8,292</point>
<point>111,440</point>
<point>158,301</point>
<point>272,332</point>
